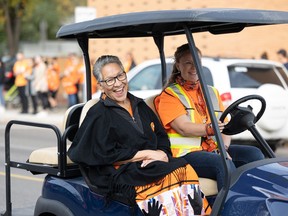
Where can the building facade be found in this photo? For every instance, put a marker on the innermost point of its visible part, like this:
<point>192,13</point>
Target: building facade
<point>250,43</point>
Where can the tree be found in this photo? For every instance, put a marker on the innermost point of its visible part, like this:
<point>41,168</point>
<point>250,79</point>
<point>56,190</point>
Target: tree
<point>12,11</point>
<point>23,20</point>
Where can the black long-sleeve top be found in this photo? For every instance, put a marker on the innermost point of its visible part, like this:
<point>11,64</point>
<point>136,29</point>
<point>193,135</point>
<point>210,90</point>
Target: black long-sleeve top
<point>110,134</point>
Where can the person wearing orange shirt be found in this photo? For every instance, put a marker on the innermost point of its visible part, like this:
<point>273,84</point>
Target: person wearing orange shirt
<point>70,80</point>
<point>53,78</point>
<point>94,83</point>
<point>80,70</point>
<point>22,69</point>
<point>182,109</point>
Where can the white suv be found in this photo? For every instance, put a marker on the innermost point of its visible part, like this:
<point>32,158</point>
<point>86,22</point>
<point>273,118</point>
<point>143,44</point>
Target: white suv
<point>234,78</point>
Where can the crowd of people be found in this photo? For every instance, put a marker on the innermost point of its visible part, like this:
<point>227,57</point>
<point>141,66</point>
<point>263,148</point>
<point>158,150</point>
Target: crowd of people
<point>38,81</point>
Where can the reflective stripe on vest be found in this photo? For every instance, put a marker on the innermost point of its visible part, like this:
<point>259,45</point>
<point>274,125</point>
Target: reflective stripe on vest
<point>215,102</point>
<point>181,145</point>
<point>184,99</point>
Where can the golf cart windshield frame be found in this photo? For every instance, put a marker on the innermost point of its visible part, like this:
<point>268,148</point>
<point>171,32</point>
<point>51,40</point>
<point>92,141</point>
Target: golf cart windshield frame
<point>158,24</point>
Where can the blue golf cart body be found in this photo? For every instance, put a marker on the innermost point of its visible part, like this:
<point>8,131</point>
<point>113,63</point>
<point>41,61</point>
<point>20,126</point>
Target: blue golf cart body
<point>257,188</point>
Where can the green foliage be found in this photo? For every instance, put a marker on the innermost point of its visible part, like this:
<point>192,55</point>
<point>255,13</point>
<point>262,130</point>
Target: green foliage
<point>32,13</point>
<point>51,13</point>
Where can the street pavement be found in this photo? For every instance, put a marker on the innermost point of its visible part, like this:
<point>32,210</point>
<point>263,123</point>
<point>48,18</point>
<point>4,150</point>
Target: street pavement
<point>54,116</point>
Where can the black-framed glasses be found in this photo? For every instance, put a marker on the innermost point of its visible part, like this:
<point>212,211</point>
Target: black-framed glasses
<point>111,81</point>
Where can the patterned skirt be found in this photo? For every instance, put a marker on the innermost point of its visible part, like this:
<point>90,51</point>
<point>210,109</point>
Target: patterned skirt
<point>177,194</point>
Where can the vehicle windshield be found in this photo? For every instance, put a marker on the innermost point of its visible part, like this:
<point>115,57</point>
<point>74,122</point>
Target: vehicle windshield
<point>252,77</point>
<point>283,74</point>
<point>150,77</point>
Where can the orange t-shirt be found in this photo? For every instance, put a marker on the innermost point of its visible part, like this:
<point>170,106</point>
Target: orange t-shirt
<point>56,67</point>
<point>71,77</point>
<point>21,69</point>
<point>53,79</point>
<point>169,108</point>
<point>80,70</point>
<point>69,84</point>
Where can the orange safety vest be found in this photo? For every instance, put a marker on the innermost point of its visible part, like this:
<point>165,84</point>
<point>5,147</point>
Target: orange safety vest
<point>181,145</point>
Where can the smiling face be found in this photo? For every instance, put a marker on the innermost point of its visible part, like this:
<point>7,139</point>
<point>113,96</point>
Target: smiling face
<point>117,91</point>
<point>187,68</point>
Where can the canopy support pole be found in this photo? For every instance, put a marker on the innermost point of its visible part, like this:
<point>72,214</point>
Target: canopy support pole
<point>219,202</point>
<point>84,44</point>
<point>159,41</point>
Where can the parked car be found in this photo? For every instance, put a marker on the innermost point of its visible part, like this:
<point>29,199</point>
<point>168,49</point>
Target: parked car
<point>257,188</point>
<point>234,78</point>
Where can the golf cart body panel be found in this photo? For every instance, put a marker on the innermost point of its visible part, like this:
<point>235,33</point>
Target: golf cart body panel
<point>75,194</point>
<point>265,191</point>
<point>71,192</point>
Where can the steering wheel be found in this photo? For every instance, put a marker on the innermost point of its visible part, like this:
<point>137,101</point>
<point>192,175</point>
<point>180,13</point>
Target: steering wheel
<point>242,118</point>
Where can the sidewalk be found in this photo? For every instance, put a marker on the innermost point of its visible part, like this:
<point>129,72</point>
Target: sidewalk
<point>54,116</point>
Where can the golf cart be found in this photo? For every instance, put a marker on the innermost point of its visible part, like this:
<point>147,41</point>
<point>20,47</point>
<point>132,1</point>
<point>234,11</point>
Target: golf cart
<point>258,188</point>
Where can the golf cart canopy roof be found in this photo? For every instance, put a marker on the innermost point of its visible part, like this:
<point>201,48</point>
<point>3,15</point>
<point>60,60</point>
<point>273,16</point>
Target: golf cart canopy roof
<point>170,22</point>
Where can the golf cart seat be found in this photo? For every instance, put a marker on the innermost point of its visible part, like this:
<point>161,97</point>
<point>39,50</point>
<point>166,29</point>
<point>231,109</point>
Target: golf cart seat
<point>86,108</point>
<point>49,155</point>
<point>208,186</point>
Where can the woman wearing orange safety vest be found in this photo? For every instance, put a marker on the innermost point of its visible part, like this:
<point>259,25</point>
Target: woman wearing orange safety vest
<point>183,112</point>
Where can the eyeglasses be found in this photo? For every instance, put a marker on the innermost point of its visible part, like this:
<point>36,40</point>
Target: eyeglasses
<point>111,81</point>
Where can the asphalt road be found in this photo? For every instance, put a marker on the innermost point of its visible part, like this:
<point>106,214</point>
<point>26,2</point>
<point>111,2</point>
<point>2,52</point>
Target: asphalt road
<point>26,187</point>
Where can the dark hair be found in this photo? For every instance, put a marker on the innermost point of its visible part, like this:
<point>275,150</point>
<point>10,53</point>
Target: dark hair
<point>264,55</point>
<point>179,53</point>
<point>282,52</point>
